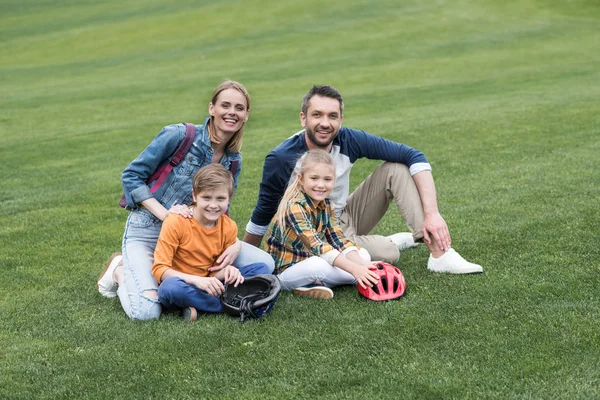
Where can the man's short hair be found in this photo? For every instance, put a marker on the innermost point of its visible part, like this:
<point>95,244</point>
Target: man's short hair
<point>323,91</point>
<point>212,177</point>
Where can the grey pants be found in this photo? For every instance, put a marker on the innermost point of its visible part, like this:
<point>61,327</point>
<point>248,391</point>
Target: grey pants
<point>369,203</point>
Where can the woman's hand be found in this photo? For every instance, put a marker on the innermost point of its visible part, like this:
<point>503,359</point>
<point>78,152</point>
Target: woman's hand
<point>182,210</point>
<point>228,256</point>
<point>365,276</point>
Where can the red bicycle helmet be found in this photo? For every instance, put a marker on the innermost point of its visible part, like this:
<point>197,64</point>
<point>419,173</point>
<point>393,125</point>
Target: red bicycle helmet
<point>391,284</point>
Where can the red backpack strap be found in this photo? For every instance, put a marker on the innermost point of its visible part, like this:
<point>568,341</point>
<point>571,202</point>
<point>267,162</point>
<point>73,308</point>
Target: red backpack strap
<point>161,174</point>
<point>233,167</point>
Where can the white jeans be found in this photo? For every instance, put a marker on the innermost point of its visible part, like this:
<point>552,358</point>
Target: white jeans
<point>306,272</point>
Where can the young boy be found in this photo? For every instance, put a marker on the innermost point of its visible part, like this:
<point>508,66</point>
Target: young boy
<point>188,247</point>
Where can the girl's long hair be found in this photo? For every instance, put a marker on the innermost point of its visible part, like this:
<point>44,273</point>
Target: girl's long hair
<point>308,159</point>
<point>235,143</point>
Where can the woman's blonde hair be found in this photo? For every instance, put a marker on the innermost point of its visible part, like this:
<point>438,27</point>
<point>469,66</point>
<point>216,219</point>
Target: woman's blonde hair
<point>308,159</point>
<point>235,143</point>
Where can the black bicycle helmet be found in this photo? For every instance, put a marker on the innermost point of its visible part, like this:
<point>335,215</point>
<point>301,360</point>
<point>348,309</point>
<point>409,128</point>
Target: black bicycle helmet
<point>254,297</point>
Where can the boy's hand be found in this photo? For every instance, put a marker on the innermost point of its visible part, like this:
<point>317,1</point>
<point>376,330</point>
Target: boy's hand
<point>365,276</point>
<point>233,276</point>
<point>211,285</point>
<point>227,257</point>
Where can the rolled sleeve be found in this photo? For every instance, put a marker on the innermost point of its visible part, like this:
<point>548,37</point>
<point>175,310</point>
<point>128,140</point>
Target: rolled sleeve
<point>140,194</point>
<point>255,229</point>
<point>330,256</point>
<point>419,167</point>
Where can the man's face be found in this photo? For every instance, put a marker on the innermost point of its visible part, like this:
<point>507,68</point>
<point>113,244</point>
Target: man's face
<point>322,122</point>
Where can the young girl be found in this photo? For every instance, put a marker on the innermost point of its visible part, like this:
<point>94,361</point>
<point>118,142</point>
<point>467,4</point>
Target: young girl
<point>310,251</point>
<point>218,140</point>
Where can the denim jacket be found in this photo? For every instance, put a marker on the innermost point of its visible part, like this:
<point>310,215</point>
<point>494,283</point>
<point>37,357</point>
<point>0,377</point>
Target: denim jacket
<point>177,188</point>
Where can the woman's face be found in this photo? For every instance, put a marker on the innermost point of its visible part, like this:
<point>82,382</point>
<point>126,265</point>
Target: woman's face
<point>230,113</point>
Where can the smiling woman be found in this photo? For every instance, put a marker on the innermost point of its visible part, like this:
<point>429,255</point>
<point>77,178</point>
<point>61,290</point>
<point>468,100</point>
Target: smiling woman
<point>218,140</point>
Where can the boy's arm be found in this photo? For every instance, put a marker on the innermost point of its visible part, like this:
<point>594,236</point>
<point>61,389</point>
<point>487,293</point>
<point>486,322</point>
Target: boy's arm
<point>168,242</point>
<point>210,284</point>
<point>232,246</point>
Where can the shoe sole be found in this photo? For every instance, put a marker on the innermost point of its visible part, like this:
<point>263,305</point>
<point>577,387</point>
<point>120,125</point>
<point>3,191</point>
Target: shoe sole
<point>322,293</point>
<point>110,260</point>
<point>477,271</point>
<point>190,314</point>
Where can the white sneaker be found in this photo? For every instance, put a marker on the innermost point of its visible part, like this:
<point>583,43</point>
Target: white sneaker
<point>316,292</point>
<point>403,240</point>
<point>106,284</point>
<point>452,263</point>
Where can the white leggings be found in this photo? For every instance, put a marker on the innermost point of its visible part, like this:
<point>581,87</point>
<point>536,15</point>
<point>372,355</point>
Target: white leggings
<point>306,272</point>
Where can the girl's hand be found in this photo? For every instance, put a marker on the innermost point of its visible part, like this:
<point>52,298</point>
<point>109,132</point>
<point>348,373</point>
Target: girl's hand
<point>228,256</point>
<point>211,285</point>
<point>182,210</point>
<point>233,275</point>
<point>365,276</point>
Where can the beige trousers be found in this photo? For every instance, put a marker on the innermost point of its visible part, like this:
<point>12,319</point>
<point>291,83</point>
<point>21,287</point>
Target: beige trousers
<point>369,203</point>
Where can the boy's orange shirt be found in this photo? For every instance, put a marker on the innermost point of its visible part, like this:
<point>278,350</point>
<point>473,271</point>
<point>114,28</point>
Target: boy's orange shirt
<point>186,246</point>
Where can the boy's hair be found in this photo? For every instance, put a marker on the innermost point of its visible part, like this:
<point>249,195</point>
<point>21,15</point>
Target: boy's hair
<point>212,177</point>
<point>307,160</point>
<point>235,143</point>
<point>323,91</point>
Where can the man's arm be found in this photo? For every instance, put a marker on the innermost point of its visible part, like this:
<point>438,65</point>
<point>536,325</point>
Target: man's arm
<point>435,230</point>
<point>276,174</point>
<point>254,240</point>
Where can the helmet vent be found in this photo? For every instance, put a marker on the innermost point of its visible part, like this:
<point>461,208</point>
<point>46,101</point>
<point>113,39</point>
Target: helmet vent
<point>384,282</point>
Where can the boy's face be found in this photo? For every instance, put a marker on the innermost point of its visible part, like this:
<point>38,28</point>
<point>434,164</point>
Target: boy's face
<point>210,205</point>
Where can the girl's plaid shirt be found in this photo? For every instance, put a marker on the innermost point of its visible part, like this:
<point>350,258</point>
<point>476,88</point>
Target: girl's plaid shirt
<point>311,230</point>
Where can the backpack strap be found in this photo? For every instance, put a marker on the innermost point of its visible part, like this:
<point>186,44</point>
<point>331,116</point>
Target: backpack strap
<point>161,174</point>
<point>233,167</point>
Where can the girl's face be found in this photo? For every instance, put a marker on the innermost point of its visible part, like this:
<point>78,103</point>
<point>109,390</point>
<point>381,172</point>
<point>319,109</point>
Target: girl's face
<point>230,112</point>
<point>317,181</point>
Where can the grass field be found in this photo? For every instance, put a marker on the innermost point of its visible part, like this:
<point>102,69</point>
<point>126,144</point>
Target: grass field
<point>502,97</point>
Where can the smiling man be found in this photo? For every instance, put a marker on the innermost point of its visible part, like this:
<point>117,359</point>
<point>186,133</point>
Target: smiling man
<point>404,177</point>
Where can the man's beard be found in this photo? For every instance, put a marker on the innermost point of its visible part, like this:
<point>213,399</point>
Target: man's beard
<point>320,143</point>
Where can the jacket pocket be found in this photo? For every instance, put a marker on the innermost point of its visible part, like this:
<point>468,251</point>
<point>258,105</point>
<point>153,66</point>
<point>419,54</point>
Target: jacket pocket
<point>188,166</point>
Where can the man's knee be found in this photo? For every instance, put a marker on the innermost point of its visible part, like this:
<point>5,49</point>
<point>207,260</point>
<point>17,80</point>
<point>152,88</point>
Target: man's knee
<point>386,252</point>
<point>395,169</point>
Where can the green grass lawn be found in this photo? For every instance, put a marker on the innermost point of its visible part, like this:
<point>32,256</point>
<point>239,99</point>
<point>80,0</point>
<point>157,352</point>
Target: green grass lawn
<point>503,98</point>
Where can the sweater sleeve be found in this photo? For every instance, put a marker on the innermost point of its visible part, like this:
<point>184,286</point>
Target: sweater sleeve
<point>365,145</point>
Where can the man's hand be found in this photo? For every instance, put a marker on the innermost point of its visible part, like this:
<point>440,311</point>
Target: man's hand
<point>228,256</point>
<point>436,230</point>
